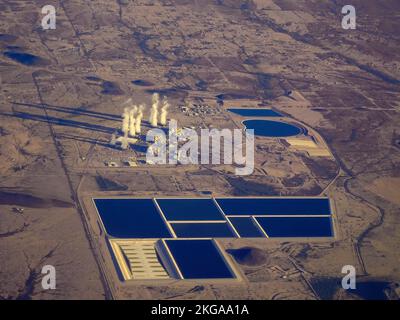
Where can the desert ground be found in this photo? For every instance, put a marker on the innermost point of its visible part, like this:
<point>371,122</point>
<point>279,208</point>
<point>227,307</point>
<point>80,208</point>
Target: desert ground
<point>59,110</point>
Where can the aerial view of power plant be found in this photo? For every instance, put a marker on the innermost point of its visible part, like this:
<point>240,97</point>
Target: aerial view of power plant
<point>215,150</point>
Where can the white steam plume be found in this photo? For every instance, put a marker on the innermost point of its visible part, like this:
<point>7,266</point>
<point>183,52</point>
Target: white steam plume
<point>125,121</point>
<point>132,121</point>
<point>164,112</point>
<point>154,110</point>
<point>139,119</point>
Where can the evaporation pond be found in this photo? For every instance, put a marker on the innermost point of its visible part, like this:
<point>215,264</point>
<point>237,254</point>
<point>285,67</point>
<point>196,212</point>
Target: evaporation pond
<point>190,209</point>
<point>199,259</point>
<point>203,230</point>
<point>295,227</point>
<point>274,129</point>
<point>246,227</point>
<point>131,218</point>
<point>255,112</point>
<point>274,206</point>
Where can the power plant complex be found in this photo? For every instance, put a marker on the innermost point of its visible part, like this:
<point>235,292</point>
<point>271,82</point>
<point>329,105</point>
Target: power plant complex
<point>132,118</point>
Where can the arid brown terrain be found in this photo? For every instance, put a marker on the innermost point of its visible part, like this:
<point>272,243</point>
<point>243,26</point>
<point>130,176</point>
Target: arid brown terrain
<point>61,99</point>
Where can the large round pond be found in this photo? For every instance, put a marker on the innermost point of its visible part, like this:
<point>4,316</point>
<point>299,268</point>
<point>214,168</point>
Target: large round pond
<point>268,128</point>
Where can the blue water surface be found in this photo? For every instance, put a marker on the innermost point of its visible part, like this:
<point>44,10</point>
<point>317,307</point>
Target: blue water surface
<point>199,259</point>
<point>203,230</point>
<point>246,227</point>
<point>273,129</point>
<point>295,227</point>
<point>190,209</point>
<point>131,218</point>
<point>255,112</point>
<point>275,206</point>
<point>24,58</point>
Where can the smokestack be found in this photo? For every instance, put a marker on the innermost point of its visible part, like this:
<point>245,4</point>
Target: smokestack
<point>154,110</point>
<point>113,141</point>
<point>164,112</point>
<point>139,119</point>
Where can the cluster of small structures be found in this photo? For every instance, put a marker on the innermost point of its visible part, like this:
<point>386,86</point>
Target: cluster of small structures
<point>129,162</point>
<point>194,110</point>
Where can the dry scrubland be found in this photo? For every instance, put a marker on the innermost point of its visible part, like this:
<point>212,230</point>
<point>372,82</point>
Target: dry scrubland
<point>57,115</point>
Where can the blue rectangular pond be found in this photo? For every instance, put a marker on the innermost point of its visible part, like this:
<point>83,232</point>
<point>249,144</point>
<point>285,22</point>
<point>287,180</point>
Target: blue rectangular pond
<point>203,230</point>
<point>275,206</point>
<point>131,218</point>
<point>296,227</point>
<point>190,209</point>
<point>246,227</point>
<point>199,259</point>
<point>255,112</point>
